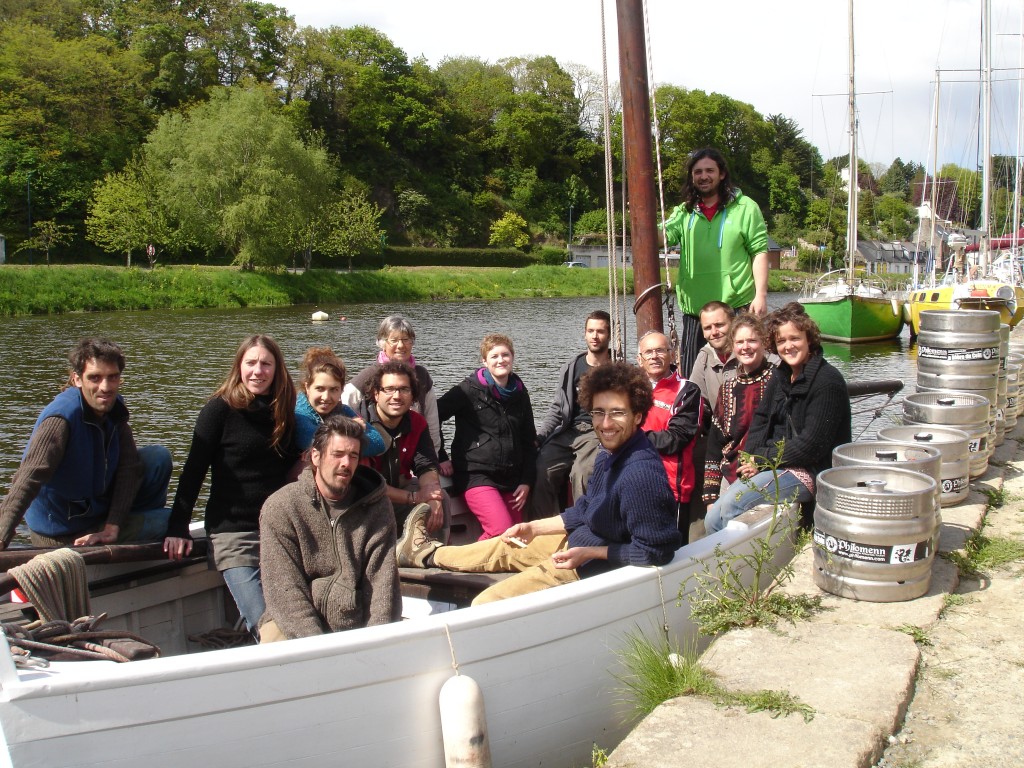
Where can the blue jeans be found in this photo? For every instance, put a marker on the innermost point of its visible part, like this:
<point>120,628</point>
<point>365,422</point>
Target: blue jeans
<point>247,589</point>
<point>747,494</point>
<point>147,519</point>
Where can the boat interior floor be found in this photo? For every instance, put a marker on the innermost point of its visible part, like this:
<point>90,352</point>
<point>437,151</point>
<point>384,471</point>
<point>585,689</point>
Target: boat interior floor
<point>447,586</point>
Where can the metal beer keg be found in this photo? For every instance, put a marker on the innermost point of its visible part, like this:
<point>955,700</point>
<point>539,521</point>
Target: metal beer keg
<point>961,410</point>
<point>874,533</point>
<point>954,483</point>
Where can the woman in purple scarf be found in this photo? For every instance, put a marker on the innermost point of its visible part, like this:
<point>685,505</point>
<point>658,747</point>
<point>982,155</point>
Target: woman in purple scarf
<point>494,449</point>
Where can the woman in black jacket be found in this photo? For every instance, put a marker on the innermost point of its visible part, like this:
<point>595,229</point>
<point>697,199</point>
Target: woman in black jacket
<point>806,408</point>
<point>493,452</point>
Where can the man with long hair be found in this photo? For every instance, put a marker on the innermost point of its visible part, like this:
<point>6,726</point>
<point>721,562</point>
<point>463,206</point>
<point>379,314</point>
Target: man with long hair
<point>723,248</point>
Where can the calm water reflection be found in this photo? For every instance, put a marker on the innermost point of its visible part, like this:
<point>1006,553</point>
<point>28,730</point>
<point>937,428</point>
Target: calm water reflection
<point>177,358</point>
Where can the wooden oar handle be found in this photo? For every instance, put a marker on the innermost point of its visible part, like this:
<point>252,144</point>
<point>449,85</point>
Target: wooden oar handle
<point>103,554</point>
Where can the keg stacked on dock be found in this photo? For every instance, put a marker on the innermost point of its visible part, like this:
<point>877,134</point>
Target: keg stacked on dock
<point>955,469</point>
<point>874,532</point>
<point>958,365</point>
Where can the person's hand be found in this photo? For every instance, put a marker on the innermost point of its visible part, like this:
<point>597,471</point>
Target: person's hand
<point>759,306</point>
<point>747,469</point>
<point>519,497</point>
<point>446,469</point>
<point>572,558</point>
<point>522,531</point>
<point>177,548</point>
<point>107,536</point>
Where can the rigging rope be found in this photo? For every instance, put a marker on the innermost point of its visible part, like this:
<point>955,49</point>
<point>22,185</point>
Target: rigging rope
<point>609,191</point>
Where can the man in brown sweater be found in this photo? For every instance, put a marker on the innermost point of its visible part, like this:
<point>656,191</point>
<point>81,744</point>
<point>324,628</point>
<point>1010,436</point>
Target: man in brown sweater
<point>327,544</point>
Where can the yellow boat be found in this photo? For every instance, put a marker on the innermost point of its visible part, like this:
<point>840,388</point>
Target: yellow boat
<point>986,293</point>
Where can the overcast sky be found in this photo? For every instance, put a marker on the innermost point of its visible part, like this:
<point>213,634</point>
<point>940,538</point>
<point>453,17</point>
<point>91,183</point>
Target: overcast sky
<point>781,57</point>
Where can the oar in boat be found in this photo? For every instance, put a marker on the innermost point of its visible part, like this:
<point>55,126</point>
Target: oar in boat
<point>97,555</point>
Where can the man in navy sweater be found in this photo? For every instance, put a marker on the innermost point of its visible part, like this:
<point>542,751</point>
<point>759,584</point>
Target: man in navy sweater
<point>626,517</point>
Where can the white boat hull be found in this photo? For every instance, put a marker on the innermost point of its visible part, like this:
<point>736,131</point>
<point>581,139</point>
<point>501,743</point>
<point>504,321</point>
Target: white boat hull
<point>546,662</point>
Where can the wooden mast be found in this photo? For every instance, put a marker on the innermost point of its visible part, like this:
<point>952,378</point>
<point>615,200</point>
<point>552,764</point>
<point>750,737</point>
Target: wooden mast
<point>636,126</point>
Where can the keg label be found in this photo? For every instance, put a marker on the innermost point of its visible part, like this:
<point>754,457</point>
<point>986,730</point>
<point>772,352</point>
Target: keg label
<point>977,445</point>
<point>897,554</point>
<point>958,355</point>
<point>954,484</point>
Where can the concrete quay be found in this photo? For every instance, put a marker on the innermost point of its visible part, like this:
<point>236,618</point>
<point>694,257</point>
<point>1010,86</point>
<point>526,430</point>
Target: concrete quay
<point>860,673</point>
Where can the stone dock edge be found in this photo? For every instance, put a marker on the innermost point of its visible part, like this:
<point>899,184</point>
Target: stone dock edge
<point>851,663</point>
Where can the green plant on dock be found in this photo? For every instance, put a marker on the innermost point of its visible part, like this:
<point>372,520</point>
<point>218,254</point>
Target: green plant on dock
<point>952,600</point>
<point>658,671</point>
<point>996,496</point>
<point>743,588</point>
<point>919,634</point>
<point>981,552</point>
<point>598,757</point>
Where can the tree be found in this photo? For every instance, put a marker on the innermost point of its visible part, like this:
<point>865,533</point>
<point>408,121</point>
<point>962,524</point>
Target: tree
<point>233,174</point>
<point>896,218</point>
<point>355,227</point>
<point>49,234</point>
<point>125,215</point>
<point>510,231</point>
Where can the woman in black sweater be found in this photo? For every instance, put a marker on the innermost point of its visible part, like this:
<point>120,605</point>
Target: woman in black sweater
<point>806,408</point>
<point>245,438</point>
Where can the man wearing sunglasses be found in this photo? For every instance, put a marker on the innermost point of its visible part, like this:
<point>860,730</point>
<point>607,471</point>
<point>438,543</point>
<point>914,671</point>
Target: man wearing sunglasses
<point>409,464</point>
<point>626,516</point>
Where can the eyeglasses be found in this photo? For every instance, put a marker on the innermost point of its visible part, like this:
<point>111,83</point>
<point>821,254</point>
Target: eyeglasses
<point>598,415</point>
<point>389,391</point>
<point>402,340</point>
<point>647,354</point>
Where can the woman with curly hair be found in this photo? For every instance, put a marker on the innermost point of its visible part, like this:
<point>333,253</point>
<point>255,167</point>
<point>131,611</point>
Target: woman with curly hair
<point>245,439</point>
<point>805,409</point>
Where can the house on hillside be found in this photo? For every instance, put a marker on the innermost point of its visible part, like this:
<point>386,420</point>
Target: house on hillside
<point>881,257</point>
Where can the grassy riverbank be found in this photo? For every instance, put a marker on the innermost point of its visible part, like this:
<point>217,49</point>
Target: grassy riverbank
<point>59,289</point>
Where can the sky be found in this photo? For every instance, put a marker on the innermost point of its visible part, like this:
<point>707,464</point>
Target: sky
<point>787,58</point>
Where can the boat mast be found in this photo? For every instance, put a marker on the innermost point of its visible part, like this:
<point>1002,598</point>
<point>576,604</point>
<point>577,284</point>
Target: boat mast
<point>851,214</point>
<point>636,129</point>
<point>933,202</point>
<point>986,122</point>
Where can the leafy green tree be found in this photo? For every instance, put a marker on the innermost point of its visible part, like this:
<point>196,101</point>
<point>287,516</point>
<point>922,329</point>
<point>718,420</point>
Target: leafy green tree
<point>234,175</point>
<point>355,227</point>
<point>49,235</point>
<point>896,218</point>
<point>70,110</point>
<point>125,215</point>
<point>510,231</point>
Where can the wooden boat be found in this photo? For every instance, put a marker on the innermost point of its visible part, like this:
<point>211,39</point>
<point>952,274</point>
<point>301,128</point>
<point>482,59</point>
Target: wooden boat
<point>844,308</point>
<point>546,663</point>
<point>853,312</point>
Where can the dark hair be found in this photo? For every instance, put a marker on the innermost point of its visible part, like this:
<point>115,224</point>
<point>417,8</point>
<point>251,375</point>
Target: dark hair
<point>94,348</point>
<point>342,426</point>
<point>691,196</point>
<point>321,360</point>
<point>793,313</point>
<point>751,321</point>
<point>599,314</point>
<point>394,368</point>
<point>711,306</point>
<point>282,390</point>
<point>617,377</point>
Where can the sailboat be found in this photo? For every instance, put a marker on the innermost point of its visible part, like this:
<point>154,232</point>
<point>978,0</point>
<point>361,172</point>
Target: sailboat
<point>986,284</point>
<point>845,308</point>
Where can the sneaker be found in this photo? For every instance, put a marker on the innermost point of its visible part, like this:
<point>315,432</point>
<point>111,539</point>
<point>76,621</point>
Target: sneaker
<point>415,544</point>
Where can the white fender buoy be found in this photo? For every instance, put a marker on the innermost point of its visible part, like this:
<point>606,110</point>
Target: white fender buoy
<point>464,724</point>
<point>319,315</point>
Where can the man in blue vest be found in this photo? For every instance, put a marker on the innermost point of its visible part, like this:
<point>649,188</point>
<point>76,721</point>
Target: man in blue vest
<point>82,481</point>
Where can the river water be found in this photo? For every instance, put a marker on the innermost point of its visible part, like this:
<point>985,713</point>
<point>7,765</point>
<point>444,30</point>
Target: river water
<point>177,358</point>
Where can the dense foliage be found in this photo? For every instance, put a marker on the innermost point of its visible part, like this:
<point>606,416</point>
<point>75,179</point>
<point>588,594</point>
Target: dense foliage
<point>220,130</point>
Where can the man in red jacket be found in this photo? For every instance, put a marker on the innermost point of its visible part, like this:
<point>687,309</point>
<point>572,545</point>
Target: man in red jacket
<point>674,421</point>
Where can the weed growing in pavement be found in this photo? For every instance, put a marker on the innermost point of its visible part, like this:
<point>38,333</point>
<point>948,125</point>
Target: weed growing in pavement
<point>657,672</point>
<point>598,757</point>
<point>996,496</point>
<point>742,588</point>
<point>983,552</point>
<point>952,600</point>
<point>920,635</point>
